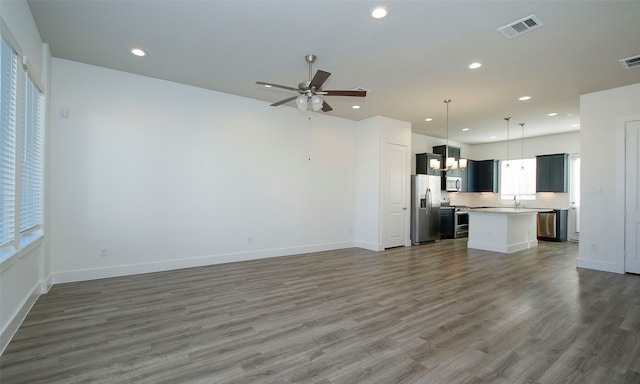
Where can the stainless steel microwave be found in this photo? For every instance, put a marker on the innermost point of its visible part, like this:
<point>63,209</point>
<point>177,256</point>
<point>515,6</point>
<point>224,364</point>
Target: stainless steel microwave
<point>454,184</point>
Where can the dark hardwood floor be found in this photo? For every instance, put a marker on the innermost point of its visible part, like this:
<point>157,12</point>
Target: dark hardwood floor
<point>437,313</point>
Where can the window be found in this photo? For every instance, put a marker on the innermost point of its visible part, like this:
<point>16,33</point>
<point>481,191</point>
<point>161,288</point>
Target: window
<point>518,179</point>
<point>31,158</point>
<point>8,92</point>
<point>21,154</point>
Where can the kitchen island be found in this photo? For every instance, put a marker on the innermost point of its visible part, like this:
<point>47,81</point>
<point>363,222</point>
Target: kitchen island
<point>503,230</point>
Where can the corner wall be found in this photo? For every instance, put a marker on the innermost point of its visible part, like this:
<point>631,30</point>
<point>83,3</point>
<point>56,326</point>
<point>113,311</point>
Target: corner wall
<point>602,142</point>
<point>26,274</point>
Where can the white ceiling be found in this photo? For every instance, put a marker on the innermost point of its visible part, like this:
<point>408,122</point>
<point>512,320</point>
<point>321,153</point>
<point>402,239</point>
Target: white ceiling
<point>410,61</point>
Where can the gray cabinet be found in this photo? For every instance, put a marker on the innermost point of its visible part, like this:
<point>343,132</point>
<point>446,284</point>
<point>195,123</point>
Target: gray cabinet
<point>551,173</point>
<point>453,152</point>
<point>468,176</point>
<point>485,176</point>
<point>423,161</point>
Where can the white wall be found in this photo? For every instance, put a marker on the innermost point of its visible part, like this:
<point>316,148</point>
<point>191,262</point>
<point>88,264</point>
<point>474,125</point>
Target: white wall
<point>541,145</point>
<point>164,175</point>
<point>24,275</point>
<point>602,117</point>
<point>372,135</point>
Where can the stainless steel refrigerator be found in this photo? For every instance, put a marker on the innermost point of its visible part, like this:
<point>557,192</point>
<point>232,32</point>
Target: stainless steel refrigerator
<point>425,208</point>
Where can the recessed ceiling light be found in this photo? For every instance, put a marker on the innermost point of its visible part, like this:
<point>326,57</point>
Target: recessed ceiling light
<point>267,85</point>
<point>492,137</point>
<point>379,12</point>
<point>428,119</point>
<point>524,98</point>
<point>552,114</point>
<point>138,52</point>
<point>575,125</point>
<point>465,129</point>
<point>355,107</point>
<point>475,65</point>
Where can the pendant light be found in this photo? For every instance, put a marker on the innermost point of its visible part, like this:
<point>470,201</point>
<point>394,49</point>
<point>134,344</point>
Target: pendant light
<point>508,119</point>
<point>449,162</point>
<point>522,147</point>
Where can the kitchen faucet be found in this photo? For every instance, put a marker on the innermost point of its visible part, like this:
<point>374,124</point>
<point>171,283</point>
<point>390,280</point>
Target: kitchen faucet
<point>516,203</point>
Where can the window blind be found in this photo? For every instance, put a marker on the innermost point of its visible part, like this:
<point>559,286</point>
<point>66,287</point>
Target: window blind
<point>31,152</point>
<point>8,107</point>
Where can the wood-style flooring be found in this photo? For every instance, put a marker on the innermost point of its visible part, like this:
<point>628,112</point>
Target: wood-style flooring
<point>437,313</point>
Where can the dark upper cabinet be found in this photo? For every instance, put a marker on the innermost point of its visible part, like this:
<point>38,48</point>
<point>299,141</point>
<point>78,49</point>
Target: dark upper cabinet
<point>441,150</point>
<point>468,176</point>
<point>551,173</point>
<point>453,152</point>
<point>485,176</point>
<point>423,161</point>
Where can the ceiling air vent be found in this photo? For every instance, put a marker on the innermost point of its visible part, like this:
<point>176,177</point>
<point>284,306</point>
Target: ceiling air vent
<point>631,62</point>
<point>521,26</point>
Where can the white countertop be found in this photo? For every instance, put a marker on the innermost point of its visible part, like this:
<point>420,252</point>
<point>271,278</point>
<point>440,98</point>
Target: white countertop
<point>507,210</point>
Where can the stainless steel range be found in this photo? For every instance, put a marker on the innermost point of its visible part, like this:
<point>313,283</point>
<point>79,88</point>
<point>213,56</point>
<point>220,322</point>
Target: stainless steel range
<point>461,222</point>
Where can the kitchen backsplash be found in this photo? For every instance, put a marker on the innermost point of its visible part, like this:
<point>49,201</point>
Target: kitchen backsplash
<point>483,199</point>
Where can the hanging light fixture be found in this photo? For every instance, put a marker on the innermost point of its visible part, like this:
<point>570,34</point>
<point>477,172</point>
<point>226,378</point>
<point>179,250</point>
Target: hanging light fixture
<point>434,164</point>
<point>316,102</point>
<point>508,119</point>
<point>522,147</point>
<point>449,162</point>
<point>303,102</point>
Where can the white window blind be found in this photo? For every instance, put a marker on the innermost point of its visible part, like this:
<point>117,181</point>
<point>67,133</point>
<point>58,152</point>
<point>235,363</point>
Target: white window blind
<point>31,158</point>
<point>8,106</point>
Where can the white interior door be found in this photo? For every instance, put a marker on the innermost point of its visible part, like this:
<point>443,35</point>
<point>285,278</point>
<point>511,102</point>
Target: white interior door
<point>632,199</point>
<point>394,199</point>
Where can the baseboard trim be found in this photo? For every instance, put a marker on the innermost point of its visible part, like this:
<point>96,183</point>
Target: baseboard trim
<point>46,284</point>
<point>369,246</point>
<point>18,317</point>
<point>599,265</point>
<point>165,265</point>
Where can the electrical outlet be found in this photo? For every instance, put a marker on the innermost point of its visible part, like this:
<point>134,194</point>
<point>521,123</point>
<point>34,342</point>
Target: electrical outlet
<point>104,252</point>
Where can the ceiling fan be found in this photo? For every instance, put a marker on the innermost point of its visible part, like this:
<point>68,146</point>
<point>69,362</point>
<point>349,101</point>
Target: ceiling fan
<point>311,90</point>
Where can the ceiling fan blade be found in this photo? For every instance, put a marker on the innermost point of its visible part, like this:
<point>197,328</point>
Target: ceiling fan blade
<point>277,86</point>
<point>284,101</point>
<point>345,93</point>
<point>319,79</point>
<point>326,107</point>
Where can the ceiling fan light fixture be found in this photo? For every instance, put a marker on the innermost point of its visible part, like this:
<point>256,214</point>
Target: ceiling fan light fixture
<point>302,102</point>
<point>316,102</point>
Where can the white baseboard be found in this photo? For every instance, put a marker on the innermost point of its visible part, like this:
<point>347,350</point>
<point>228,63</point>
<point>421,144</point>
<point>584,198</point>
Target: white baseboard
<point>165,265</point>
<point>599,265</point>
<point>370,246</point>
<point>46,284</point>
<point>18,317</point>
